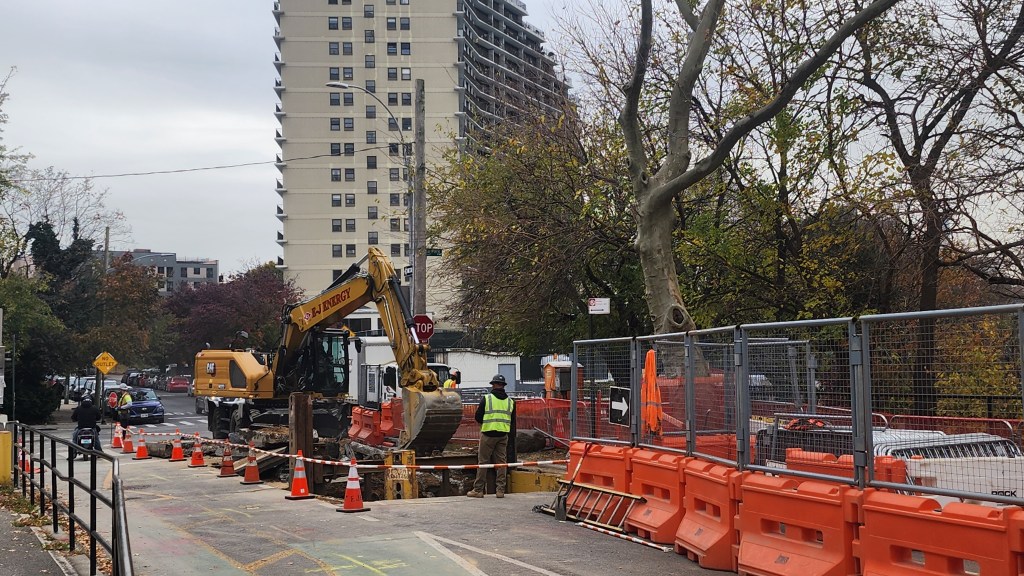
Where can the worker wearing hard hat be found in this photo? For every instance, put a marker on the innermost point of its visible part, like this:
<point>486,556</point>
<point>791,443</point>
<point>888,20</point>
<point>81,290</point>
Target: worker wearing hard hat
<point>497,417</point>
<point>454,379</point>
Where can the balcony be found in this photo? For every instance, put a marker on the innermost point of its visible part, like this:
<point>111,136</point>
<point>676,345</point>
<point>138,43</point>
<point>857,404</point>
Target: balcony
<point>279,112</point>
<point>280,264</point>
<point>279,137</point>
<point>280,213</point>
<point>280,163</point>
<point>278,36</point>
<point>280,188</point>
<point>280,239</point>
<point>278,63</point>
<point>277,9</point>
<point>278,86</point>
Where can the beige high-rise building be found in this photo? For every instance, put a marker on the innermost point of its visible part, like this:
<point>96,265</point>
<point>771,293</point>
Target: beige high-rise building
<point>347,152</point>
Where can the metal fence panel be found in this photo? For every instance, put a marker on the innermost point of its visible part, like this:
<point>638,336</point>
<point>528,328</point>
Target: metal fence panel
<point>662,420</point>
<point>603,368</point>
<point>949,384</point>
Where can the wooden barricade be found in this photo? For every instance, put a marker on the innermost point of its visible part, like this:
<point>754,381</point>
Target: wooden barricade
<point>658,478</point>
<point>789,527</point>
<point>707,533</point>
<point>906,535</point>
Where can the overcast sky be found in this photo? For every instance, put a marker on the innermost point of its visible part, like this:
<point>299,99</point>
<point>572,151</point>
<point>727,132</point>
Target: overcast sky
<point>151,85</point>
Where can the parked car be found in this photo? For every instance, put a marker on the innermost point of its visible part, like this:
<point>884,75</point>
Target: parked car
<point>178,384</point>
<point>145,407</point>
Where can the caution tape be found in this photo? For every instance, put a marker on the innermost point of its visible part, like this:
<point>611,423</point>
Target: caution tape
<point>196,436</point>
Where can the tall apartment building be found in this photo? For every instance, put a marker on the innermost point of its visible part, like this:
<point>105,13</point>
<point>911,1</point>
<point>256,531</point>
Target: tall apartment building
<point>171,272</point>
<point>347,153</point>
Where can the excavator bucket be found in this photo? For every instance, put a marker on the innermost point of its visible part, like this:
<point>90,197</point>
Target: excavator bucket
<point>430,418</point>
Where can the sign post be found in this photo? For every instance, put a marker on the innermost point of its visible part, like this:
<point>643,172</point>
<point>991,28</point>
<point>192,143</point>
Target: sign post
<point>424,327</point>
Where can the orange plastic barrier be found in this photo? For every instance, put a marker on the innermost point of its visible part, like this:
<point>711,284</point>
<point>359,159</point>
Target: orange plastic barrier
<point>605,467</point>
<point>801,528</point>
<point>707,533</point>
<point>910,536</point>
<point>366,426</point>
<point>658,477</point>
<point>887,468</point>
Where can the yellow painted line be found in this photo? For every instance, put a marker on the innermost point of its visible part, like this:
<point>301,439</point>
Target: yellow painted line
<point>253,566</point>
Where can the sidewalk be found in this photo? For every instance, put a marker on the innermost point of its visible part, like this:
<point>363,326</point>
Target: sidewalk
<point>23,551</point>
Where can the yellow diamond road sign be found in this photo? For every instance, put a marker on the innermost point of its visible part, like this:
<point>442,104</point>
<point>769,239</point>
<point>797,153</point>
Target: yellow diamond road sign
<point>104,362</point>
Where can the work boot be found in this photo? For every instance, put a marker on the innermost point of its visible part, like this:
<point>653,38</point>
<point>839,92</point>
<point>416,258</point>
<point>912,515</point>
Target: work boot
<point>500,493</point>
<point>475,494</point>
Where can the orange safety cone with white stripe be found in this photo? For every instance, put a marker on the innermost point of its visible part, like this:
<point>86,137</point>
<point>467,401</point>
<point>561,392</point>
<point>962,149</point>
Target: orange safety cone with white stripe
<point>227,464</point>
<point>300,488</point>
<point>252,470</point>
<point>128,447</point>
<point>177,453</point>
<point>353,493</point>
<point>118,432</point>
<point>143,452</point>
<point>197,454</point>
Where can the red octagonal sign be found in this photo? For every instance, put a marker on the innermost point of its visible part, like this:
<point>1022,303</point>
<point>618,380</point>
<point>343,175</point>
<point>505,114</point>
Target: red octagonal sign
<point>424,326</point>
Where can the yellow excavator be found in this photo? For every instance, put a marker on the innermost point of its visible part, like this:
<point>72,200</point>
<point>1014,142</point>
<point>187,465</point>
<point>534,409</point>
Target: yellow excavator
<point>245,387</point>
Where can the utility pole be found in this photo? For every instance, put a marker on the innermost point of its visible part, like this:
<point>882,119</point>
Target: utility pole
<point>419,206</point>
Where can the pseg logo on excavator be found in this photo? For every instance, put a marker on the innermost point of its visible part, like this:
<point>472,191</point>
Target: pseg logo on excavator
<point>326,306</point>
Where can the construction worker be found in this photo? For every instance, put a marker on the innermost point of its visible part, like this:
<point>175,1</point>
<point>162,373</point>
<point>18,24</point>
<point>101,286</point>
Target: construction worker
<point>497,417</point>
<point>454,379</point>
<point>122,408</point>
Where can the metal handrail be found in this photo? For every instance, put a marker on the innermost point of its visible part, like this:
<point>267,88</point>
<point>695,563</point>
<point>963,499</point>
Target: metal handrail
<point>25,458</point>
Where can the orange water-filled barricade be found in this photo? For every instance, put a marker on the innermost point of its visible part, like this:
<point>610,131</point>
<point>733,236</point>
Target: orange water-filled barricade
<point>707,533</point>
<point>658,478</point>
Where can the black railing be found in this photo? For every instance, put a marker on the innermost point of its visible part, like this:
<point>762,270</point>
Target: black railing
<point>31,463</point>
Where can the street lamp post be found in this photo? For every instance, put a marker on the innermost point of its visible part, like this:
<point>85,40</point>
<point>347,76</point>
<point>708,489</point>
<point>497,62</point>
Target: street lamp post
<point>416,286</point>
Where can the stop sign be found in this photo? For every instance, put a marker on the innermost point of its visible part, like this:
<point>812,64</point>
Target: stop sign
<point>424,326</point>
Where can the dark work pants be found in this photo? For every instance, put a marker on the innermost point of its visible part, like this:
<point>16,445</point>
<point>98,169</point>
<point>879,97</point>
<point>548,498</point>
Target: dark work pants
<point>492,451</point>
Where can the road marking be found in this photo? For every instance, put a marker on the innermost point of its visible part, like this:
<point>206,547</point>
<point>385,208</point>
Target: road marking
<point>462,562</point>
<point>425,535</point>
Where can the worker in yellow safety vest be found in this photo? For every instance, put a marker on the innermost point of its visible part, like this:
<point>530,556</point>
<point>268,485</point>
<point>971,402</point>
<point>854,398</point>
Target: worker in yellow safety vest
<point>497,417</point>
<point>454,379</point>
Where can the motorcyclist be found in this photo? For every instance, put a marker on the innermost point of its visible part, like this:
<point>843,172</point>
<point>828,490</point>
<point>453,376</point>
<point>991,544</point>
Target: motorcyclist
<point>87,416</point>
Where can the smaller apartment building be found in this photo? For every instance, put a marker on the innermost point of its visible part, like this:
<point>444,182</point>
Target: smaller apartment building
<point>173,273</point>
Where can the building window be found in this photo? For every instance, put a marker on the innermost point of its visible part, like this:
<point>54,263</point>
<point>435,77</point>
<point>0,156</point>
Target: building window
<point>346,23</point>
<point>392,48</point>
<point>371,86</point>
<point>170,286</point>
<point>350,174</point>
<point>371,186</point>
<point>396,249</point>
<point>371,162</point>
<point>392,98</point>
<point>335,124</point>
<point>332,48</point>
<point>392,73</point>
<point>407,149</point>
<point>335,200</point>
<point>395,199</point>
<point>392,23</point>
<point>404,22</point>
<point>332,22</point>
<point>405,247</point>
<point>336,250</point>
<point>406,98</point>
<point>335,174</point>
<point>371,111</point>
<point>333,73</point>
<point>392,149</point>
<point>335,98</point>
<point>350,124</point>
<point>406,73</point>
<point>346,48</point>
<point>389,2</point>
<point>406,123</point>
<point>335,149</point>
<point>350,250</point>
<point>393,174</point>
<point>349,99</point>
<point>368,37</point>
<point>336,225</point>
<point>350,149</point>
<point>350,200</point>
<point>346,2</point>
<point>371,238</point>
<point>347,72</point>
<point>393,125</point>
<point>396,224</point>
<point>332,1</point>
<point>350,225</point>
<point>371,136</point>
<point>370,60</point>
<point>406,48</point>
<point>368,10</point>
<point>371,212</point>
<point>403,2</point>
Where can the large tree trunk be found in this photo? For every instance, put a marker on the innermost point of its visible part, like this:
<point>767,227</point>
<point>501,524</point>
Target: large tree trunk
<point>931,243</point>
<point>654,236</point>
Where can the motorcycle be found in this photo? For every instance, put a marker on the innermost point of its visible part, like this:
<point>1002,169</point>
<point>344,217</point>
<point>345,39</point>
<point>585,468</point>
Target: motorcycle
<point>88,440</point>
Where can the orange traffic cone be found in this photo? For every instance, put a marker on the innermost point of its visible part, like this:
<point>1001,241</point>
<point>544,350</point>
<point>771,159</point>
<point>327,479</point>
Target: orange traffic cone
<point>128,447</point>
<point>177,454</point>
<point>197,454</point>
<point>118,432</point>
<point>227,464</point>
<point>142,453</point>
<point>252,471</point>
<point>300,488</point>
<point>353,493</point>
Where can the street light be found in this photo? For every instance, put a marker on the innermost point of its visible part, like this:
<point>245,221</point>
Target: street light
<point>408,177</point>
